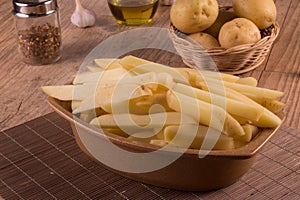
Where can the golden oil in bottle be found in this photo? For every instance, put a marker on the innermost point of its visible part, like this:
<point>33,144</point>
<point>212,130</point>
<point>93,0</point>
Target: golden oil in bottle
<point>133,12</point>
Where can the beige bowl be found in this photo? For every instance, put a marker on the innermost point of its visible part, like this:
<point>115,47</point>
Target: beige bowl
<point>218,169</point>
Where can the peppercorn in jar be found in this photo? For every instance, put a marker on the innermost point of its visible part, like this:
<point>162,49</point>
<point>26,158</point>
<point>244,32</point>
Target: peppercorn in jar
<point>38,31</point>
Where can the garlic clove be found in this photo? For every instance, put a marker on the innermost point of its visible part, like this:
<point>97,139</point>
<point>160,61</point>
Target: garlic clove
<point>82,17</point>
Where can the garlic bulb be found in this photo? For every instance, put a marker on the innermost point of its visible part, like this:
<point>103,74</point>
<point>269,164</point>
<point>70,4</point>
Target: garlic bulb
<point>82,17</point>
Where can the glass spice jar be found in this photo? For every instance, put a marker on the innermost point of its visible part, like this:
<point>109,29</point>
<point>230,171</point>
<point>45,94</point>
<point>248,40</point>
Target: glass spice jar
<point>38,31</point>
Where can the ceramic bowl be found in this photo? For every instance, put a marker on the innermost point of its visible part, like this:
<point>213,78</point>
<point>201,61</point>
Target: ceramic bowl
<point>219,168</point>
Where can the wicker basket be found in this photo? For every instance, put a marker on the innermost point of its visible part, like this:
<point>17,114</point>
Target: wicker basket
<point>235,60</point>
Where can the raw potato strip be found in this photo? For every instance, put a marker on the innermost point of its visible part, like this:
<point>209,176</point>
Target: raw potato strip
<point>117,131</point>
<point>88,115</point>
<point>248,134</point>
<point>103,96</point>
<point>156,99</point>
<point>217,75</point>
<point>222,142</point>
<point>108,63</point>
<point>232,106</point>
<point>165,80</point>
<point>241,120</point>
<point>69,92</point>
<point>140,66</point>
<point>147,136</point>
<point>130,62</point>
<point>142,122</point>
<point>203,112</point>
<point>76,92</point>
<point>148,79</point>
<point>127,106</point>
<point>158,68</point>
<point>105,75</point>
<point>267,120</point>
<point>271,104</point>
<point>200,75</point>
<point>238,144</point>
<point>246,89</point>
<point>250,130</point>
<point>247,81</point>
<point>94,69</point>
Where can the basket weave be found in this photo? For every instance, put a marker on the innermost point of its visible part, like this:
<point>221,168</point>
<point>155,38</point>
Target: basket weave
<point>235,60</point>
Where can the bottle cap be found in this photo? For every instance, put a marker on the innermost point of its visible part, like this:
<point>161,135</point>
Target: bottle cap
<point>34,8</point>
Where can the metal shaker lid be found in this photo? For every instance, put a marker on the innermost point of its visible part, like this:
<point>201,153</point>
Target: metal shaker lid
<point>28,8</point>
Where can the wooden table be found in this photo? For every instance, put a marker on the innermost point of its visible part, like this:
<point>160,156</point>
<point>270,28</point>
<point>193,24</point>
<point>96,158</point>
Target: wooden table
<point>21,99</point>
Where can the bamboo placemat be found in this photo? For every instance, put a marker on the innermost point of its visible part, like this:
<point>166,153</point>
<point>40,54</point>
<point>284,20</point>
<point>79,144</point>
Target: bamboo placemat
<point>41,160</point>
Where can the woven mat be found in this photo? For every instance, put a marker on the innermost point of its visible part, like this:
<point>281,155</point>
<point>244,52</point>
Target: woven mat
<point>40,160</point>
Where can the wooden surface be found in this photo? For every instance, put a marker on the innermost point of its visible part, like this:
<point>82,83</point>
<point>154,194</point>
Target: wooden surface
<point>36,163</point>
<point>44,162</point>
<point>21,98</point>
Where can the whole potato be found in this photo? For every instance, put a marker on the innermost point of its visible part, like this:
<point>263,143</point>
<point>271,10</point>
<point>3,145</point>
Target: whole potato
<point>261,12</point>
<point>191,16</point>
<point>223,17</point>
<point>205,40</point>
<point>237,32</point>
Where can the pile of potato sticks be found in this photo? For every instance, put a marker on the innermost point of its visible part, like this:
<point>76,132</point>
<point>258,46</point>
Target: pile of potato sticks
<point>151,102</point>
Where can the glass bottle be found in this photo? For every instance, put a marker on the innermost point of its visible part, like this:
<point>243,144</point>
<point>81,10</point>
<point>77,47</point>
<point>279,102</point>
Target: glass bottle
<point>38,31</point>
<point>167,2</point>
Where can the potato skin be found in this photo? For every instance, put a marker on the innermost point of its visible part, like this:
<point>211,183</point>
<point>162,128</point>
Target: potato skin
<point>205,40</point>
<point>223,17</point>
<point>237,32</point>
<point>191,16</point>
<point>261,12</point>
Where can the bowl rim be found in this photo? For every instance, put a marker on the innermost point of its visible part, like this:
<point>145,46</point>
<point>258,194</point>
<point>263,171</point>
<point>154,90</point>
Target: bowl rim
<point>245,151</point>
